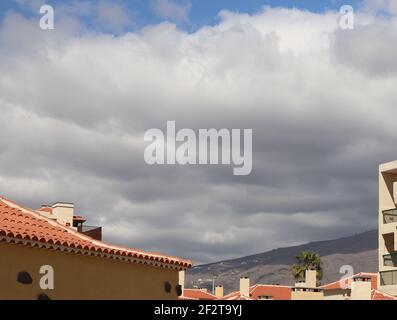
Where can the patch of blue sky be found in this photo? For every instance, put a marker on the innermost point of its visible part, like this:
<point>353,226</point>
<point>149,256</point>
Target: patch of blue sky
<point>146,12</point>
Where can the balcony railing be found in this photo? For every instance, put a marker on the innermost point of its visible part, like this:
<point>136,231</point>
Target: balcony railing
<point>390,260</point>
<point>390,216</point>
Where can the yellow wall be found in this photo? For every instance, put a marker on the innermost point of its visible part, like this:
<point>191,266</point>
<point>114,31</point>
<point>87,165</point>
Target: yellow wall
<point>339,294</point>
<point>80,277</point>
<point>307,295</point>
<point>361,290</point>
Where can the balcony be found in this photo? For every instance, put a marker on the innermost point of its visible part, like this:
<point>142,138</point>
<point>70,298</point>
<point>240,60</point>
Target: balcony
<point>390,260</point>
<point>389,216</point>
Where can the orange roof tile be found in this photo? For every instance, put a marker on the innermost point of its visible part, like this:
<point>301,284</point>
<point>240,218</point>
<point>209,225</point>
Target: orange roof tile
<point>187,298</point>
<point>277,292</point>
<point>379,295</point>
<point>26,226</point>
<point>235,296</point>
<point>340,283</point>
<point>197,294</point>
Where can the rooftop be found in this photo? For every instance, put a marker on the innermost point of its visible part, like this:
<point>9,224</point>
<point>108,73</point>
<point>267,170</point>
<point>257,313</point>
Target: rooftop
<point>336,285</point>
<point>276,292</point>
<point>25,226</point>
<point>379,295</point>
<point>197,294</point>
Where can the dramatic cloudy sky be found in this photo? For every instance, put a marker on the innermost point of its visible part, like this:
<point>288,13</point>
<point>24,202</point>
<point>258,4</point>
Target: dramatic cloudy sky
<point>75,103</point>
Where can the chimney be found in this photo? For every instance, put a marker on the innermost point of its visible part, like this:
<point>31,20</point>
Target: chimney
<point>245,286</point>
<point>311,278</point>
<point>181,276</point>
<point>361,288</point>
<point>63,213</point>
<point>219,291</point>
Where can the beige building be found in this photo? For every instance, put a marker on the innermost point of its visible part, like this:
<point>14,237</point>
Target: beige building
<point>361,286</point>
<point>49,254</point>
<point>307,290</point>
<point>388,228</point>
<point>303,290</point>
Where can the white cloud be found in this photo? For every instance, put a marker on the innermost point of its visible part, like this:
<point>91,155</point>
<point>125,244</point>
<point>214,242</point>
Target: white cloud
<point>171,10</point>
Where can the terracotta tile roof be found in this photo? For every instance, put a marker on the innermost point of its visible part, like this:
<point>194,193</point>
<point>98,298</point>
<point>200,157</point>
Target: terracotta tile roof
<point>277,292</point>
<point>379,295</point>
<point>26,226</point>
<point>187,298</point>
<point>197,294</point>
<point>338,284</point>
<point>235,296</point>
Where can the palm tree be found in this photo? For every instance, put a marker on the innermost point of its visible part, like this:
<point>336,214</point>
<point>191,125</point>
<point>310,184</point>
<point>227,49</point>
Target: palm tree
<point>307,260</point>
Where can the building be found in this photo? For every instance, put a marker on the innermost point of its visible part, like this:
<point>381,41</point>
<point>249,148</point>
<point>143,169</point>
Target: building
<point>357,287</point>
<point>361,286</point>
<point>261,292</point>
<point>258,292</point>
<point>307,289</point>
<point>387,219</point>
<point>49,254</point>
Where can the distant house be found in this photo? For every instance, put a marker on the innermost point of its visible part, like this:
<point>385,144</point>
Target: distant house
<point>197,294</point>
<point>52,242</point>
<point>262,292</point>
<point>361,286</point>
<point>347,288</point>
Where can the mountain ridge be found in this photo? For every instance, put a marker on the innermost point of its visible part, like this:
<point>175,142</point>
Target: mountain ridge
<point>274,266</point>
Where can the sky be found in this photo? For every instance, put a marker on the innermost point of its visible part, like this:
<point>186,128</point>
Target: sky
<point>76,101</point>
<point>189,15</point>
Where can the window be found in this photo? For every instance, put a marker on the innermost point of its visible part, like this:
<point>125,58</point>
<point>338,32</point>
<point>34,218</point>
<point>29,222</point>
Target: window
<point>390,216</point>
<point>388,278</point>
<point>390,260</point>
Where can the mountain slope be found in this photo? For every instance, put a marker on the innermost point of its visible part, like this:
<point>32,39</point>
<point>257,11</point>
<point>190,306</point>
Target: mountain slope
<point>359,251</point>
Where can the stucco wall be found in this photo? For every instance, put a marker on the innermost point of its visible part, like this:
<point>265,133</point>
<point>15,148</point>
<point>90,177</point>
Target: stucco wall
<point>81,277</point>
<point>307,295</point>
<point>339,294</point>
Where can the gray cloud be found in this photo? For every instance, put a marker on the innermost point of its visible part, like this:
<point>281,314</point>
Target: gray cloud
<point>75,106</point>
<point>371,49</point>
<point>172,10</point>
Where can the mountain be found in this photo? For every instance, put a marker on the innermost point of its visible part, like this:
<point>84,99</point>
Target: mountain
<point>274,267</point>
